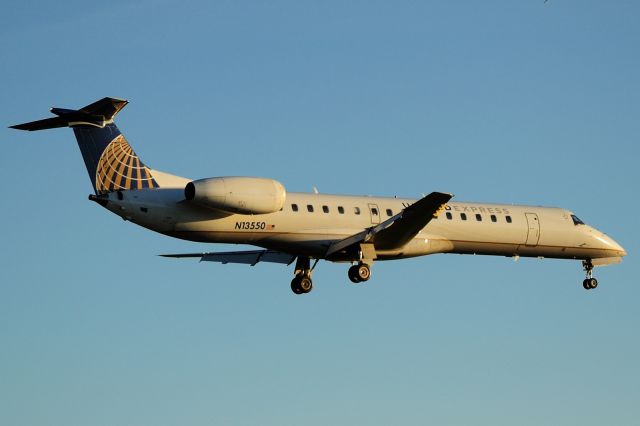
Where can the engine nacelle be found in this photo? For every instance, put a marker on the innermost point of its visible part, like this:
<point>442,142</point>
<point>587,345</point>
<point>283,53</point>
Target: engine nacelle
<point>245,195</point>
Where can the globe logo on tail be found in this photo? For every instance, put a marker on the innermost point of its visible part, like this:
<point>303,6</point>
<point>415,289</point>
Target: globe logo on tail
<point>119,168</point>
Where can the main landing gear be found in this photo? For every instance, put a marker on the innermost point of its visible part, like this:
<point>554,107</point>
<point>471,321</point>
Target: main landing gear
<point>589,283</point>
<point>359,273</point>
<point>302,283</point>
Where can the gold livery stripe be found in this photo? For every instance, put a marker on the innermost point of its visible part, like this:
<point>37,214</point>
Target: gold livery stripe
<point>119,161</point>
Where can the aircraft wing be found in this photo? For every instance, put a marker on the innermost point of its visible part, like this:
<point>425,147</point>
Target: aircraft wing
<point>251,257</point>
<point>398,230</point>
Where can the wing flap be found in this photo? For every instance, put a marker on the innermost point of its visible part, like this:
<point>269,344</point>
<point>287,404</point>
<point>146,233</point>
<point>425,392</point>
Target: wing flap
<point>251,257</point>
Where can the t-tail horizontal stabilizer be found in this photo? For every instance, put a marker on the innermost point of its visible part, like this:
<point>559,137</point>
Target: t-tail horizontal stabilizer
<point>97,114</point>
<point>111,162</point>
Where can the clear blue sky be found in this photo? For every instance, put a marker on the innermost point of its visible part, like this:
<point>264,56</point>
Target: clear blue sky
<point>515,102</point>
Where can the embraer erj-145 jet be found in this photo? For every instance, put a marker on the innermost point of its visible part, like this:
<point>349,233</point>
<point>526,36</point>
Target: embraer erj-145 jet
<point>302,227</point>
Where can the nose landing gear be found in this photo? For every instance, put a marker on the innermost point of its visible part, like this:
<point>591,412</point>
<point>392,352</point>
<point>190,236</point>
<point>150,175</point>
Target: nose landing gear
<point>589,283</point>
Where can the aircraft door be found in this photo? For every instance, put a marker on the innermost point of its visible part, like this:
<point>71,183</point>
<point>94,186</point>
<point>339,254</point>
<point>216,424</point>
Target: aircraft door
<point>533,234</point>
<point>374,211</point>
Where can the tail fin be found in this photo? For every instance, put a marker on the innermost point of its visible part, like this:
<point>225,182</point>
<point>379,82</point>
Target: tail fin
<point>111,162</point>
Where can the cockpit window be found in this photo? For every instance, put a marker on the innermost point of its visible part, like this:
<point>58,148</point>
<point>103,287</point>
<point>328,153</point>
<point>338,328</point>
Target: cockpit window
<point>576,220</point>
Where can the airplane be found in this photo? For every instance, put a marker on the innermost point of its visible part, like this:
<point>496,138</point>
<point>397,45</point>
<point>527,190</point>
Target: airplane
<point>290,227</point>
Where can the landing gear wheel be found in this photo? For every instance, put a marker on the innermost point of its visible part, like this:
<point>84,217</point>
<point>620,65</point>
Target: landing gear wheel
<point>593,283</point>
<point>295,285</point>
<point>353,274</point>
<point>586,284</point>
<point>364,272</point>
<point>301,284</point>
<point>305,284</point>
<point>359,273</point>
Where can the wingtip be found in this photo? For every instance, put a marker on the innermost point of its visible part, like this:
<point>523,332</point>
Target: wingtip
<point>443,194</point>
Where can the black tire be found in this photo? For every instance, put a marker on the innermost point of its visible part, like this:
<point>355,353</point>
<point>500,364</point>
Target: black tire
<point>353,274</point>
<point>586,284</point>
<point>593,283</point>
<point>305,284</point>
<point>363,272</point>
<point>295,285</point>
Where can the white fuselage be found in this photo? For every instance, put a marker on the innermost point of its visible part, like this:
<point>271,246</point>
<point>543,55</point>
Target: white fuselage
<point>309,223</point>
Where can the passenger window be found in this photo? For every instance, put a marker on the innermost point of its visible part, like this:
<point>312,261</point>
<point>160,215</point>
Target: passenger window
<point>463,216</point>
<point>374,211</point>
<point>508,219</point>
<point>325,209</point>
<point>294,207</point>
<point>340,209</point>
<point>478,217</point>
<point>449,215</point>
<point>389,212</point>
<point>494,218</point>
<point>356,210</point>
<point>309,208</point>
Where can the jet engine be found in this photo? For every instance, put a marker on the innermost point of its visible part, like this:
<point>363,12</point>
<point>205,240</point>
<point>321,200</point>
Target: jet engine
<point>244,195</point>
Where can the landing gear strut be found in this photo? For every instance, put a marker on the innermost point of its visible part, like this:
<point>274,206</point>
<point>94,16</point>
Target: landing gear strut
<point>359,273</point>
<point>589,283</point>
<point>302,283</point>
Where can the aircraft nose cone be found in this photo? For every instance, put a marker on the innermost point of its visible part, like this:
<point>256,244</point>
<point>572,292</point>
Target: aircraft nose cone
<point>611,244</point>
<point>623,252</point>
